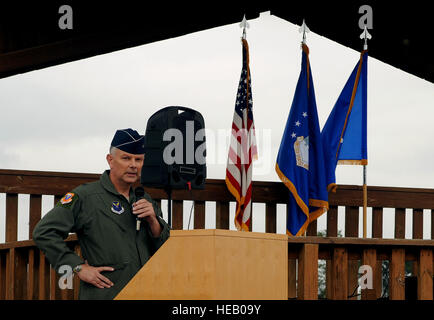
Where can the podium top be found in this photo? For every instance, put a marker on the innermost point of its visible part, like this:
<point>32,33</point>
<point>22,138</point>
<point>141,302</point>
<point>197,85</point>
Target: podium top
<point>228,233</point>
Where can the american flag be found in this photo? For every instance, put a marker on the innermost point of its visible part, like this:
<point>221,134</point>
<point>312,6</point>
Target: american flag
<point>243,149</point>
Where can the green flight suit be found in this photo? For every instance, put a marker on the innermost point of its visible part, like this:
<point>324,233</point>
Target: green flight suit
<point>106,231</point>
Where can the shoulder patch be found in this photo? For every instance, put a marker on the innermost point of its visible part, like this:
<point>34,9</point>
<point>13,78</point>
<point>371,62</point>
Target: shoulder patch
<point>67,200</point>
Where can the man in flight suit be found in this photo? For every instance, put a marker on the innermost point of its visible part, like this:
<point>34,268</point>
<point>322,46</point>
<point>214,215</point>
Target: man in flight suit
<point>103,214</point>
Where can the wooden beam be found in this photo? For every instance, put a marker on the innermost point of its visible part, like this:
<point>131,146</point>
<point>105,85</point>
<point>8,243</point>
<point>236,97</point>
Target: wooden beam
<point>222,215</point>
<point>339,283</point>
<point>377,222</point>
<point>417,224</point>
<point>351,221</point>
<point>270,217</point>
<point>399,223</point>
<point>352,230</point>
<point>35,182</point>
<point>177,215</point>
<point>11,217</point>
<point>34,212</point>
<point>425,275</point>
<point>307,288</point>
<point>10,274</point>
<point>397,275</point>
<point>20,274</point>
<point>312,228</point>
<point>292,278</point>
<point>199,215</point>
<point>370,259</point>
<point>2,275</point>
<point>332,221</point>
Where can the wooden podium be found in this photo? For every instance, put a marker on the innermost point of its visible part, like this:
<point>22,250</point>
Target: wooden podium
<point>214,265</point>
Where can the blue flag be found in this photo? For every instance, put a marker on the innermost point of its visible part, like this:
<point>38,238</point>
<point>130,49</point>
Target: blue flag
<point>344,135</point>
<point>300,163</point>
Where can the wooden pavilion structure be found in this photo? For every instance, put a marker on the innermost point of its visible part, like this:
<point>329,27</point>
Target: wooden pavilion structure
<point>30,39</point>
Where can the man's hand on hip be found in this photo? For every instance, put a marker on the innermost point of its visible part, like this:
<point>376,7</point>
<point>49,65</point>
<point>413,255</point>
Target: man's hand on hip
<point>93,276</point>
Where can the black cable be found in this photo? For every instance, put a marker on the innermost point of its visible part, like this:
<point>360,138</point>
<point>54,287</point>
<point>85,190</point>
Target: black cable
<point>353,294</point>
<point>192,205</point>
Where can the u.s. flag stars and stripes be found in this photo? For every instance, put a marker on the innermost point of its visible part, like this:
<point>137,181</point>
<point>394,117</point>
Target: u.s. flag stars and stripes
<point>243,149</point>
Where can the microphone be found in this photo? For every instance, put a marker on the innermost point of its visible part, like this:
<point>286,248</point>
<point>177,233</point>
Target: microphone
<point>139,192</point>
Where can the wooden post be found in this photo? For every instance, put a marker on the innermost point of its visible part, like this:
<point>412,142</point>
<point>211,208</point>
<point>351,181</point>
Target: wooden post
<point>397,275</point>
<point>351,221</point>
<point>222,215</point>
<point>76,281</point>
<point>33,277</point>
<point>312,229</point>
<point>370,259</point>
<point>16,274</point>
<point>417,233</point>
<point>308,273</point>
<point>432,224</point>
<point>270,217</point>
<point>339,280</point>
<point>53,283</point>
<point>332,231</point>
<point>57,198</point>
<point>177,215</point>
<point>11,217</point>
<point>332,221</point>
<point>199,215</point>
<point>417,224</point>
<point>34,212</point>
<point>20,265</point>
<point>425,275</point>
<point>377,232</point>
<point>10,274</point>
<point>399,223</point>
<point>2,276</point>
<point>44,277</point>
<point>251,217</point>
<point>292,278</point>
<point>377,223</point>
<point>352,230</point>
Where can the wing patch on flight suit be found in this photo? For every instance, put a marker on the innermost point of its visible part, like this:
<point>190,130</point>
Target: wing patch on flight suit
<point>67,200</point>
<point>117,207</point>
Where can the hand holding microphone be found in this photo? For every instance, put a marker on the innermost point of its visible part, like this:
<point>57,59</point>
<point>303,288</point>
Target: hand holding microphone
<point>142,208</point>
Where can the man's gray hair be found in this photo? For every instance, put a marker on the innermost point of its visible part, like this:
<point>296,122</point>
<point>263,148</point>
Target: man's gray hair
<point>112,150</point>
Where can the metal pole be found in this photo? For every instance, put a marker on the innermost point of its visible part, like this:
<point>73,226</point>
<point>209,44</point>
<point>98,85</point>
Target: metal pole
<point>365,35</point>
<point>365,200</point>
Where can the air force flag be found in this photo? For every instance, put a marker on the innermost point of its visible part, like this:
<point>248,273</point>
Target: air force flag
<point>344,135</point>
<point>300,163</point>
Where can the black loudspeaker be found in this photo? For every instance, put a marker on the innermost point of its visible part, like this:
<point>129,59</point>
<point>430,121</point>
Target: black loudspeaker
<point>175,150</point>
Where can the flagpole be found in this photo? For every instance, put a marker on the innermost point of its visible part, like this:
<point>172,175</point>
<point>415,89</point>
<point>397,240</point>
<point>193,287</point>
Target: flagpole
<point>365,35</point>
<point>304,29</point>
<point>244,24</point>
<point>365,201</point>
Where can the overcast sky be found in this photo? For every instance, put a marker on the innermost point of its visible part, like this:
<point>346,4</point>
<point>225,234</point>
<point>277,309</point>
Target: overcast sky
<point>63,118</point>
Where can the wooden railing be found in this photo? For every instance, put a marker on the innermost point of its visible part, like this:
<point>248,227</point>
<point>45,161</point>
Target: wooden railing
<point>25,273</point>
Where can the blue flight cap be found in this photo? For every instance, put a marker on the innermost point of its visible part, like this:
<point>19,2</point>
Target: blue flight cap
<point>129,140</point>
